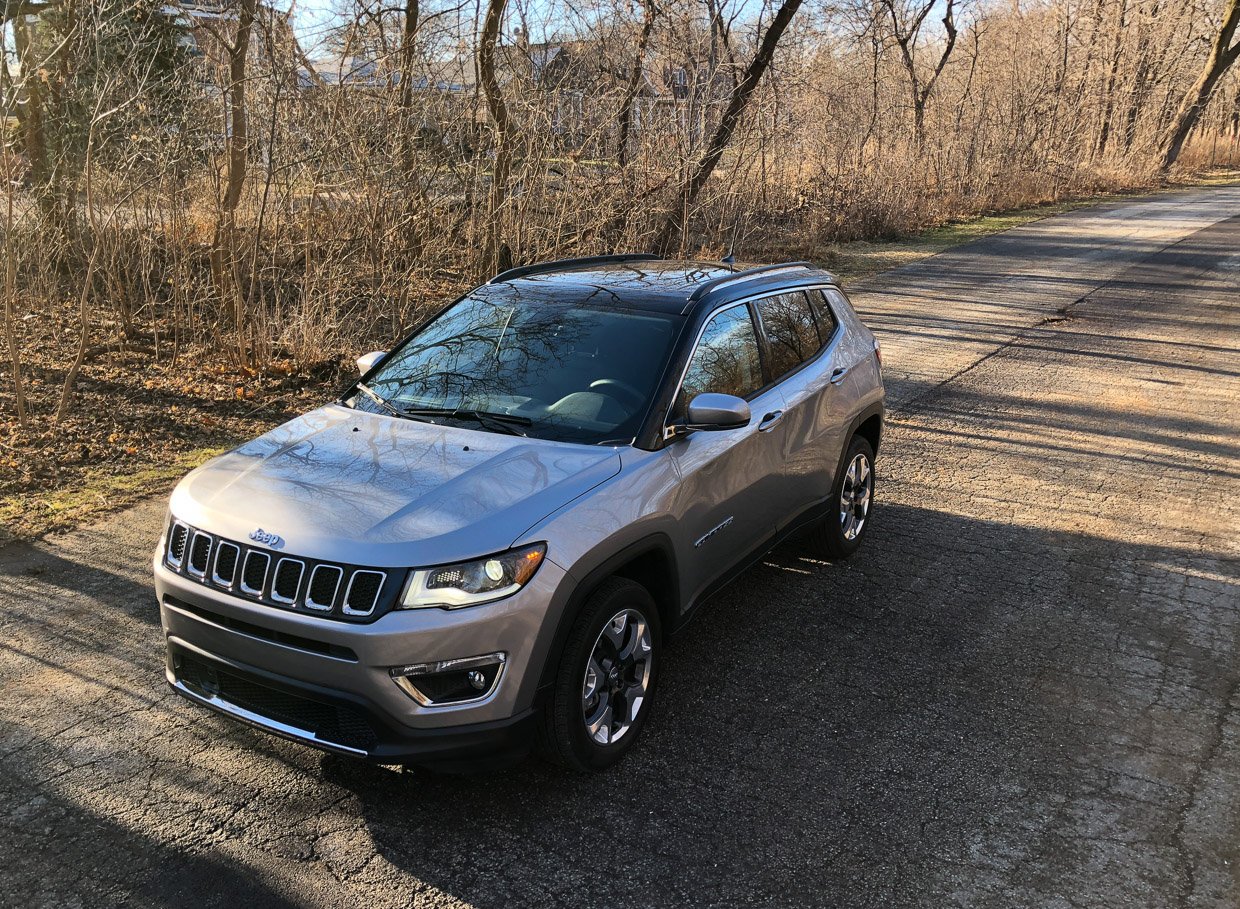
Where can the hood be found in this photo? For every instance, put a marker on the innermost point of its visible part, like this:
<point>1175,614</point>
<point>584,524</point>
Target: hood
<point>367,489</point>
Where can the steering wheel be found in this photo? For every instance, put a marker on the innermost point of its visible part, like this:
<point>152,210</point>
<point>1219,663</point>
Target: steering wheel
<point>606,386</point>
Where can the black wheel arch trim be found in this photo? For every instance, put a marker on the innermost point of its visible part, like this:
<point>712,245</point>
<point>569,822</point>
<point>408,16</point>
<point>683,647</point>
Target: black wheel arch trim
<point>582,589</point>
<point>874,410</point>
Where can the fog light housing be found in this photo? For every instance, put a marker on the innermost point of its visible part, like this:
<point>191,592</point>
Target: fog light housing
<point>448,682</point>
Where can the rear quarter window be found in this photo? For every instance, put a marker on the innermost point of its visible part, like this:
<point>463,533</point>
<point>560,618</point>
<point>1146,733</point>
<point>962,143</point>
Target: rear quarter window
<point>826,304</point>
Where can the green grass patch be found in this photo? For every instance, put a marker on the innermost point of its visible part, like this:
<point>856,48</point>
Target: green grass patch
<point>102,491</point>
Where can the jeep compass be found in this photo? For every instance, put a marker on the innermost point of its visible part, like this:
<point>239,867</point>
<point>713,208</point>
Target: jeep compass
<point>483,546</point>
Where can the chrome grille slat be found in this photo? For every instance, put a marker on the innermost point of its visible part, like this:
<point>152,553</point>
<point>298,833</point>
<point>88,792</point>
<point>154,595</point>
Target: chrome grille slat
<point>323,603</point>
<point>255,558</point>
<point>178,542</point>
<point>230,555</point>
<point>362,598</point>
<point>199,554</point>
<point>278,581</point>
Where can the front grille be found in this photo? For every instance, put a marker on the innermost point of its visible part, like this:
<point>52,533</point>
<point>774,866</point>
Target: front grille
<point>347,592</point>
<point>177,541</point>
<point>332,723</point>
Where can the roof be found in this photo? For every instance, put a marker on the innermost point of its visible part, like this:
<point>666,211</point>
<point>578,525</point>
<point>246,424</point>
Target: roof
<point>648,283</point>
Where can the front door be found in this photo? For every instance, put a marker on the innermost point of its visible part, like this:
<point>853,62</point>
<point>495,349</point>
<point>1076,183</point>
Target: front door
<point>727,477</point>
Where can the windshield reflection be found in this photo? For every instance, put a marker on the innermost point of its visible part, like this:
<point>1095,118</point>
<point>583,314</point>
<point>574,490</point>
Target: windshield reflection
<point>576,372</point>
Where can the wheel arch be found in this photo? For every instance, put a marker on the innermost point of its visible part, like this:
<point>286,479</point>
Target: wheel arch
<point>650,562</point>
<point>869,425</point>
<point>870,429</point>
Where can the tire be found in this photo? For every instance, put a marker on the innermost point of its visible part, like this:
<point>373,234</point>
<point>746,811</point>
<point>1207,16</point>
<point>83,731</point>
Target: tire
<point>586,684</point>
<point>838,535</point>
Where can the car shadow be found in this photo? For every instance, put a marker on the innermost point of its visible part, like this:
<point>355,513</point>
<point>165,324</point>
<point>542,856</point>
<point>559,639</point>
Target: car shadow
<point>824,731</point>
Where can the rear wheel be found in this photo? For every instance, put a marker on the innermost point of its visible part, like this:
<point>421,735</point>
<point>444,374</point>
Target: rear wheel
<point>605,679</point>
<point>839,534</point>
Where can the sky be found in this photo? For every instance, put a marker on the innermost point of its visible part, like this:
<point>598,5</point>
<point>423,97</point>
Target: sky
<point>310,17</point>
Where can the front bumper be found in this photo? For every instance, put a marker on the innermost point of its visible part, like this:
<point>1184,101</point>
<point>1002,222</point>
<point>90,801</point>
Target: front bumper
<point>327,684</point>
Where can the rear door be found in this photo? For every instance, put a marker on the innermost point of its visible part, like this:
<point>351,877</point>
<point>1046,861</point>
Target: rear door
<point>727,477</point>
<point>802,338</point>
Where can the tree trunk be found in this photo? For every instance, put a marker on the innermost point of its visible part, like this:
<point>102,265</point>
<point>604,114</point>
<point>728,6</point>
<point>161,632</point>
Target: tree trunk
<point>635,81</point>
<point>492,237</point>
<point>670,237</point>
<point>238,141</point>
<point>1141,78</point>
<point>32,117</point>
<point>10,287</point>
<point>237,155</point>
<point>1222,55</point>
<point>1104,136</point>
<point>409,34</point>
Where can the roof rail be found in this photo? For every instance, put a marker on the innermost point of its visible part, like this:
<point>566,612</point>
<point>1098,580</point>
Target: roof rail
<point>704,289</point>
<point>522,271</point>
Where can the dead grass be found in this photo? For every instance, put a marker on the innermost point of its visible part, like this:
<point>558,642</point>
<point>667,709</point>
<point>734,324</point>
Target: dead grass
<point>137,427</point>
<point>862,259</point>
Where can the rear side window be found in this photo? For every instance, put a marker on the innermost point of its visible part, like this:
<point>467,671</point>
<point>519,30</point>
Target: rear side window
<point>726,360</point>
<point>791,331</point>
<point>827,322</point>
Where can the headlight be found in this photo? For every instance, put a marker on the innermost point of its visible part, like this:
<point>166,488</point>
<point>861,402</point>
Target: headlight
<point>472,583</point>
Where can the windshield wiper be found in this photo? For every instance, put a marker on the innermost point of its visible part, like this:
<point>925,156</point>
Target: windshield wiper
<point>388,405</point>
<point>496,422</point>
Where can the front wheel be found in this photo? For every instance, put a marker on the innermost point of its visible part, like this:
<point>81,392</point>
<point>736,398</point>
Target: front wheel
<point>606,678</point>
<point>839,534</point>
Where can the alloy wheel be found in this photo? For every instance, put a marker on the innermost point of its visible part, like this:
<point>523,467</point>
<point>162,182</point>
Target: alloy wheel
<point>855,496</point>
<point>617,677</point>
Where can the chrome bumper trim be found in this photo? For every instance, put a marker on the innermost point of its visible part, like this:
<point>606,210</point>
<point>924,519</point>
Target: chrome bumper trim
<point>262,722</point>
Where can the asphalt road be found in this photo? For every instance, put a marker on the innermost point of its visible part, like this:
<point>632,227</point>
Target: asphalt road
<point>1021,692</point>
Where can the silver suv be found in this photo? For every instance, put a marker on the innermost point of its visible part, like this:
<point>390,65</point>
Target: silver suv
<point>485,543</point>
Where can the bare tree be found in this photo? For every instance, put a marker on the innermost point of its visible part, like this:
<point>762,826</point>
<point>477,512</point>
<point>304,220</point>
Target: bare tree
<point>669,236</point>
<point>408,57</point>
<point>1222,55</point>
<point>10,275</point>
<point>225,260</point>
<point>493,249</point>
<point>906,25</point>
<point>625,113</point>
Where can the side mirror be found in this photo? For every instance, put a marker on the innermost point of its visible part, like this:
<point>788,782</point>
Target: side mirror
<point>710,411</point>
<point>366,362</point>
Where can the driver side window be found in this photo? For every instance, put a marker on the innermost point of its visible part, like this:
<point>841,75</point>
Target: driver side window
<point>726,360</point>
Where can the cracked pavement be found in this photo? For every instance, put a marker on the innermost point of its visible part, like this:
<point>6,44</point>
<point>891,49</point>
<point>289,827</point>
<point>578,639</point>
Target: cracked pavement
<point>1022,691</point>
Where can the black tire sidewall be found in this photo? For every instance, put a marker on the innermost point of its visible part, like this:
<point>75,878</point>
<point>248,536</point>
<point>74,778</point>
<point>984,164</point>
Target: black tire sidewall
<point>569,742</point>
<point>837,547</point>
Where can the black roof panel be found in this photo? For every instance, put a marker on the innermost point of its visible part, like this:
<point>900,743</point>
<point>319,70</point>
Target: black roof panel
<point>663,285</point>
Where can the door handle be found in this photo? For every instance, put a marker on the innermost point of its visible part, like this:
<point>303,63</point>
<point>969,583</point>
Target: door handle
<point>838,374</point>
<point>770,421</point>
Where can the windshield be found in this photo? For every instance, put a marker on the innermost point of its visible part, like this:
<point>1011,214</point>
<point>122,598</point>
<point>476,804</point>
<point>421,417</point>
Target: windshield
<point>565,372</point>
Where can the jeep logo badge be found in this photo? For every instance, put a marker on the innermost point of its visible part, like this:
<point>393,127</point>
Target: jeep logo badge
<point>267,539</point>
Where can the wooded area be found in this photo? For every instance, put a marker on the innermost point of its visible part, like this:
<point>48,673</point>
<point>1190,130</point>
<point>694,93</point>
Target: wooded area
<point>199,181</point>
